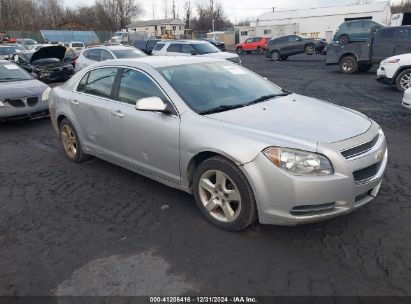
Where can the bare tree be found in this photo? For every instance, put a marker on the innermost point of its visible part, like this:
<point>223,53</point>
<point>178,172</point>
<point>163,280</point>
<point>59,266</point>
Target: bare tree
<point>187,13</point>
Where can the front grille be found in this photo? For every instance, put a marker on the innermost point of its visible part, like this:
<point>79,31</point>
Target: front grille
<point>312,209</point>
<point>32,101</point>
<point>17,103</point>
<point>361,149</point>
<point>363,175</point>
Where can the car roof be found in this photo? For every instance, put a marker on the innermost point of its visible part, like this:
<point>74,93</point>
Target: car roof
<point>111,47</point>
<point>187,41</point>
<point>163,61</point>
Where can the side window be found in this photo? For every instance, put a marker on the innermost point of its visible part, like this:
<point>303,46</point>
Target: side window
<point>94,55</point>
<point>105,55</point>
<point>249,40</point>
<point>174,47</point>
<point>257,39</point>
<point>404,34</point>
<point>135,85</point>
<point>82,84</point>
<point>386,34</point>
<point>187,49</point>
<point>100,82</point>
<point>159,46</point>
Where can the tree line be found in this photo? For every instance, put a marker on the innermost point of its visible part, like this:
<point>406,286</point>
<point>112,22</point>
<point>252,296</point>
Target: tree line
<point>105,15</point>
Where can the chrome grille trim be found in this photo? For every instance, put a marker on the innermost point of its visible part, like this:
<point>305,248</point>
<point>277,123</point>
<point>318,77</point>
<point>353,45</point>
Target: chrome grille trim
<point>360,149</point>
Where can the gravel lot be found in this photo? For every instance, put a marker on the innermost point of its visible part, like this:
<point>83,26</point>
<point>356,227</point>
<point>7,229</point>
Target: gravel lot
<point>97,229</point>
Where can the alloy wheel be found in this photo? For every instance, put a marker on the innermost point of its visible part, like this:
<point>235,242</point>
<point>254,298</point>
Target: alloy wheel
<point>405,81</point>
<point>220,196</point>
<point>69,141</point>
<point>309,49</point>
<point>347,65</point>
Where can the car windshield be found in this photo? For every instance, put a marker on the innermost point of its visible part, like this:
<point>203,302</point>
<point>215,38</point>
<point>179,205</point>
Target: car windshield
<point>218,86</point>
<point>7,50</point>
<point>12,72</point>
<point>205,48</point>
<point>121,54</point>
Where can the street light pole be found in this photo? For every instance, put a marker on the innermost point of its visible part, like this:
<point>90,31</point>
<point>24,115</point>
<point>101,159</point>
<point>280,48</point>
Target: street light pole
<point>213,25</point>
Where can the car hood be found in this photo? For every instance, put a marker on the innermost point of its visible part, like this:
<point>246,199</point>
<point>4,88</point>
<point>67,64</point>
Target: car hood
<point>299,117</point>
<point>223,55</point>
<point>57,51</point>
<point>23,88</point>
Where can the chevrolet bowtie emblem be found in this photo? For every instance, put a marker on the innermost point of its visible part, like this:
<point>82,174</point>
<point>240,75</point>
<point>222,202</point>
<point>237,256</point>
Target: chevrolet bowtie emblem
<point>379,155</point>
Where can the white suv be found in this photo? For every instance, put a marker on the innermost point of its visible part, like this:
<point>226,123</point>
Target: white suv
<point>191,48</point>
<point>396,71</point>
<point>77,47</point>
<point>102,53</point>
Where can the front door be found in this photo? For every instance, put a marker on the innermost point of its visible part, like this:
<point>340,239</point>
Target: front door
<point>148,141</point>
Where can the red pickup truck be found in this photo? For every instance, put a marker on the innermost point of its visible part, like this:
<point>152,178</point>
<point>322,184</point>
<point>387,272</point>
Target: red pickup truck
<point>258,44</point>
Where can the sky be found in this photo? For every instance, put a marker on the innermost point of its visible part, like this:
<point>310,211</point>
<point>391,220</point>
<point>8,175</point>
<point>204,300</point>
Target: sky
<point>235,10</point>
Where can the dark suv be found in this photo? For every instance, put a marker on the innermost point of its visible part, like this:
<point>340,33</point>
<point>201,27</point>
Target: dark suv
<point>281,48</point>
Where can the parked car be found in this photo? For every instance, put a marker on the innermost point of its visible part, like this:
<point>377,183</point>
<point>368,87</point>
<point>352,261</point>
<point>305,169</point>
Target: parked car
<point>238,142</point>
<point>102,53</point>
<point>355,30</point>
<point>27,43</point>
<point>192,48</point>
<point>257,44</point>
<point>146,46</point>
<point>361,56</point>
<point>21,95</point>
<point>70,57</point>
<point>406,101</point>
<point>10,49</point>
<point>76,46</point>
<point>47,63</point>
<point>218,44</point>
<point>396,71</point>
<point>281,48</point>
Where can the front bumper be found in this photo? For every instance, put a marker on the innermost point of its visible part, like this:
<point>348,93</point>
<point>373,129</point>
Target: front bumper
<point>385,80</point>
<point>23,110</point>
<point>279,195</point>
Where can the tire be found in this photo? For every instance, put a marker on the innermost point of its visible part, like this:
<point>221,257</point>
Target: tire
<point>348,65</point>
<point>403,81</point>
<point>239,50</point>
<point>343,39</point>
<point>72,146</point>
<point>364,67</point>
<point>212,197</point>
<point>309,49</point>
<point>275,56</point>
<point>260,50</point>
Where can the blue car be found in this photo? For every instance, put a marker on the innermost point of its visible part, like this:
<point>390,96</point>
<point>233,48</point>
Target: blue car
<point>356,30</point>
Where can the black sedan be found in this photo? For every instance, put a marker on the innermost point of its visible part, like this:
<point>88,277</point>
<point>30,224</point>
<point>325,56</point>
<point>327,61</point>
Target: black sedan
<point>220,45</point>
<point>282,47</point>
<point>48,63</point>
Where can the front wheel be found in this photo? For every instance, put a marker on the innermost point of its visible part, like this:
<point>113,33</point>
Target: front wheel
<point>309,49</point>
<point>403,81</point>
<point>224,195</point>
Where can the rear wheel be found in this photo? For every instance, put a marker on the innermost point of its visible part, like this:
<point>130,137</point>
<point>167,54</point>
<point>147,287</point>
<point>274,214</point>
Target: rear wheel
<point>223,194</point>
<point>344,39</point>
<point>275,56</point>
<point>309,49</point>
<point>239,50</point>
<point>403,81</point>
<point>71,142</point>
<point>260,50</point>
<point>348,65</point>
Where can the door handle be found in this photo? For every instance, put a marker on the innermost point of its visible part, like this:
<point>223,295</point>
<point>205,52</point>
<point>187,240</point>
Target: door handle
<point>74,102</point>
<point>118,114</point>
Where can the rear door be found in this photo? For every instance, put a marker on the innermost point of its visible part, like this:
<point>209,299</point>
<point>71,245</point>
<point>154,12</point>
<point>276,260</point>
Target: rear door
<point>383,44</point>
<point>92,105</point>
<point>403,41</point>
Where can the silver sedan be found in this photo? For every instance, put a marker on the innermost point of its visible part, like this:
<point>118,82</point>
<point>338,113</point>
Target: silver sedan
<point>244,147</point>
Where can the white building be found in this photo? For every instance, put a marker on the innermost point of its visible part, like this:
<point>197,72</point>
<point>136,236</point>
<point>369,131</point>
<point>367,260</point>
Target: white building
<point>157,27</point>
<point>321,22</point>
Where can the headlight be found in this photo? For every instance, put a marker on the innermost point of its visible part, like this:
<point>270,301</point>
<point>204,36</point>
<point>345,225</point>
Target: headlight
<point>46,94</point>
<point>299,162</point>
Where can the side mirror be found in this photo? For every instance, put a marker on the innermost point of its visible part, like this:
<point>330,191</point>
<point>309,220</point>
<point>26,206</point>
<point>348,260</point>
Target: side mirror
<point>151,104</point>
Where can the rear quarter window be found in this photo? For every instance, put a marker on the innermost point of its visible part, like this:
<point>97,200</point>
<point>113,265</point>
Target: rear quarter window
<point>159,46</point>
<point>176,48</point>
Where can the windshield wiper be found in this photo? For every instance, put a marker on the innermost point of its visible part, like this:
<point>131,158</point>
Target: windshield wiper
<point>265,97</point>
<point>221,109</point>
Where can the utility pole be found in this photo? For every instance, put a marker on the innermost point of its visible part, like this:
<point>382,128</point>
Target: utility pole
<point>174,9</point>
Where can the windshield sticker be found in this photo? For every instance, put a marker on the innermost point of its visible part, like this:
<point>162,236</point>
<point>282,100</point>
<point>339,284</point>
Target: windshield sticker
<point>11,67</point>
<point>235,70</point>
